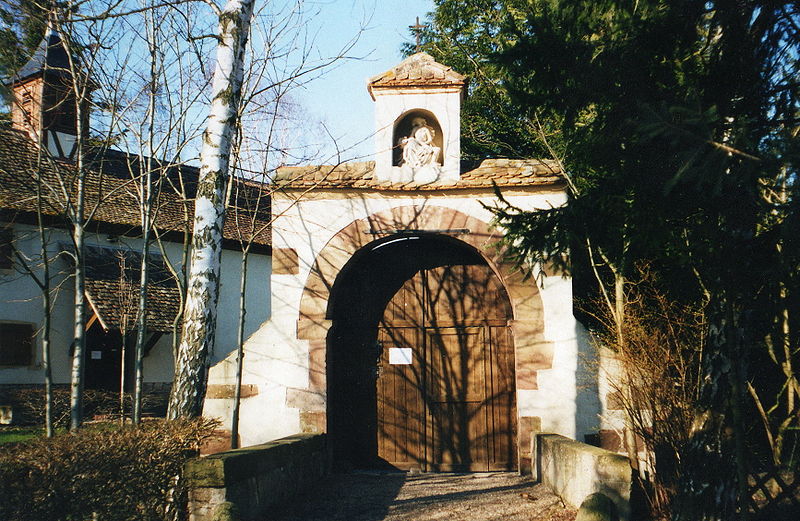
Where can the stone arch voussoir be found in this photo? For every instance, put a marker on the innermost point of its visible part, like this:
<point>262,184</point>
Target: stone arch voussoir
<point>313,321</point>
<point>532,352</point>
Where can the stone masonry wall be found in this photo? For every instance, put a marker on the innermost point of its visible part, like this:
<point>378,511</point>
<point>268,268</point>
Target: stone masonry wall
<point>256,478</point>
<point>574,470</point>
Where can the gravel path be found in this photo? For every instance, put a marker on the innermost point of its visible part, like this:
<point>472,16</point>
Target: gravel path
<point>376,496</point>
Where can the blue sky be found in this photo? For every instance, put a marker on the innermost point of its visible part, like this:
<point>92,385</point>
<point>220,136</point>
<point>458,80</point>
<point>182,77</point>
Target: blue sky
<point>340,99</point>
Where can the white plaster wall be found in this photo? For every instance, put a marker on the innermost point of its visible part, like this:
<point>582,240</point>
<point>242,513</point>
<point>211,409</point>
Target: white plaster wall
<point>445,104</point>
<point>276,360</point>
<point>20,300</point>
<point>610,374</point>
<point>566,399</point>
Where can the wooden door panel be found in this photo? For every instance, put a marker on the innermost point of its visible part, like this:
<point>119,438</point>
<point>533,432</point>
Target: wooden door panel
<point>456,361</point>
<point>458,437</point>
<point>462,294</point>
<point>502,399</point>
<point>406,307</point>
<point>400,404</point>
<point>453,407</point>
<point>456,383</point>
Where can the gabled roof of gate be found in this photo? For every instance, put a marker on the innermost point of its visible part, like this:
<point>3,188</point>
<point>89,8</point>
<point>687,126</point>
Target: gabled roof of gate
<point>500,172</point>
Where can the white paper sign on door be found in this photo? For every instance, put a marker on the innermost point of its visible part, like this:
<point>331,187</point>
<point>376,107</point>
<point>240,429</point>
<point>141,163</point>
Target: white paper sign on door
<point>400,356</point>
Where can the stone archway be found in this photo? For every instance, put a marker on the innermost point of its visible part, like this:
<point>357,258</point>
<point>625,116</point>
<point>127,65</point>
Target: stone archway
<point>314,323</point>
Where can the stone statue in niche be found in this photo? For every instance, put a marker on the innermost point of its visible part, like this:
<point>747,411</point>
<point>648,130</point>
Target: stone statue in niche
<point>420,157</point>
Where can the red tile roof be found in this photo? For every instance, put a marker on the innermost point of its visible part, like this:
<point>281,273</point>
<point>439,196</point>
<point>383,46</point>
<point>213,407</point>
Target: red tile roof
<point>115,191</point>
<point>418,70</point>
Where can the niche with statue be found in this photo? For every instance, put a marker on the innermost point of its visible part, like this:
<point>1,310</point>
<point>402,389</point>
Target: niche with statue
<point>418,148</point>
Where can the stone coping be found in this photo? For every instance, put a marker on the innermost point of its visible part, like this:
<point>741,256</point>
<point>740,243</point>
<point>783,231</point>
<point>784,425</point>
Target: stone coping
<point>575,470</point>
<point>226,468</point>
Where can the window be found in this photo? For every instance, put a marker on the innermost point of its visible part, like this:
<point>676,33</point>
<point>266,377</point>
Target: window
<point>6,253</point>
<point>27,107</point>
<point>16,344</point>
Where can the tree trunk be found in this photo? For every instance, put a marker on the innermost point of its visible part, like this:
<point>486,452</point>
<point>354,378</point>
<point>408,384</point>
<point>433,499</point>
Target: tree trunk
<point>146,200</point>
<point>237,393</point>
<point>200,315</point>
<point>46,308</point>
<point>79,328</point>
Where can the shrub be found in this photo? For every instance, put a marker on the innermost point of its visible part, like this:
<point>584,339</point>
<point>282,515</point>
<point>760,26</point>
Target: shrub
<point>112,474</point>
<point>29,404</point>
<point>658,382</point>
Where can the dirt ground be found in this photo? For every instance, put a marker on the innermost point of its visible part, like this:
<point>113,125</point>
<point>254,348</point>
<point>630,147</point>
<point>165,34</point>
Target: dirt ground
<point>376,496</point>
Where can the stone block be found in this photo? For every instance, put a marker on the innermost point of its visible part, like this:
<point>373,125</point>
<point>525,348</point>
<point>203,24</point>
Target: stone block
<point>226,511</point>
<point>203,501</point>
<point>597,507</point>
<point>536,356</point>
<point>314,327</point>
<point>574,470</point>
<point>256,479</point>
<point>219,441</point>
<point>227,391</point>
<point>527,378</point>
<point>305,400</point>
<point>313,422</point>
<point>285,261</point>
<point>528,427</point>
<point>317,351</point>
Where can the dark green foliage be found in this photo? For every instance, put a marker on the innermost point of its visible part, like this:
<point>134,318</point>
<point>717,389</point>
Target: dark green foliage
<point>464,35</point>
<point>114,474</point>
<point>654,143</point>
<point>677,122</point>
<point>23,26</point>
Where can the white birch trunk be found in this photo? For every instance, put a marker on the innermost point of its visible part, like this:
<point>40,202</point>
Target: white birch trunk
<point>200,315</point>
<point>78,218</point>
<point>146,201</point>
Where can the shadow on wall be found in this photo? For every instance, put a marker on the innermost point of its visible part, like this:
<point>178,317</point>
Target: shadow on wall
<point>587,394</point>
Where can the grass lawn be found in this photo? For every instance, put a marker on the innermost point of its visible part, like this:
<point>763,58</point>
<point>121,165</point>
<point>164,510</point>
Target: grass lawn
<point>14,434</point>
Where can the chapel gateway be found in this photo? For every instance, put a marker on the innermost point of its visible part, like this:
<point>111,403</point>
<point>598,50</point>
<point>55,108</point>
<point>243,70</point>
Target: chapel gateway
<point>397,326</point>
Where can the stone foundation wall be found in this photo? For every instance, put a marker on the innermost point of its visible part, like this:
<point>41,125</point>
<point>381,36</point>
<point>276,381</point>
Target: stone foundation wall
<point>256,478</point>
<point>574,470</point>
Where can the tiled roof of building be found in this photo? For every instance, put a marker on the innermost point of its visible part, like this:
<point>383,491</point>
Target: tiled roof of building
<point>112,283</point>
<point>500,172</point>
<point>248,216</point>
<point>418,70</point>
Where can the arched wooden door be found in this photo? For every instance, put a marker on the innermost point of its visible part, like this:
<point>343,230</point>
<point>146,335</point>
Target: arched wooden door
<point>445,390</point>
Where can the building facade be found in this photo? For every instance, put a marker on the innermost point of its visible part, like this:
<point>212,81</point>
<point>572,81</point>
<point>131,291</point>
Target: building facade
<point>398,326</point>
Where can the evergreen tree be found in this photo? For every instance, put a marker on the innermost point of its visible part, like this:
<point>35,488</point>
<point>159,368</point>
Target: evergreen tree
<point>464,34</point>
<point>22,27</point>
<point>677,124</point>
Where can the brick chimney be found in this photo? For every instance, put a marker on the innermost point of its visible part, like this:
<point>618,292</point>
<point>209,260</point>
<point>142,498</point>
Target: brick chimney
<point>44,100</point>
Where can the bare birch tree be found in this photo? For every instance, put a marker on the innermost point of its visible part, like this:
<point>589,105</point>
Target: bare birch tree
<point>200,315</point>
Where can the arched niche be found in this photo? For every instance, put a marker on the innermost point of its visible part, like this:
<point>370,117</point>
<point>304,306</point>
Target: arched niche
<point>402,128</point>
